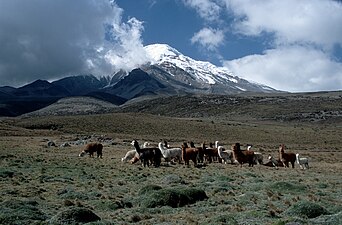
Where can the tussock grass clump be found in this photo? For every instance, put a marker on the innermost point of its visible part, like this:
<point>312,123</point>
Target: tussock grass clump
<point>6,173</point>
<point>286,187</point>
<point>216,184</point>
<point>174,197</point>
<point>226,219</point>
<point>149,188</point>
<point>72,194</point>
<point>328,219</point>
<point>20,212</point>
<point>74,215</point>
<point>306,209</point>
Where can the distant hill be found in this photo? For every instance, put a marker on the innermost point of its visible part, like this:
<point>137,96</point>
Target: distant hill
<point>74,106</point>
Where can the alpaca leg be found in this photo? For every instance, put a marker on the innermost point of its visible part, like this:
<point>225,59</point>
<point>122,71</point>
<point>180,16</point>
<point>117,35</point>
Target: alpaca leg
<point>306,166</point>
<point>195,161</point>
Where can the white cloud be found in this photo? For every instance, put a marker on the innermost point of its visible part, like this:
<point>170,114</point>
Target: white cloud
<point>207,9</point>
<point>294,69</point>
<point>303,35</point>
<point>129,51</point>
<point>208,38</point>
<point>307,21</point>
<point>48,39</point>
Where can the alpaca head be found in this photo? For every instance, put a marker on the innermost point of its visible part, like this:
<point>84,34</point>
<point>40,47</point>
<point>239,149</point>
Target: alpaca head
<point>282,148</point>
<point>135,144</point>
<point>236,147</point>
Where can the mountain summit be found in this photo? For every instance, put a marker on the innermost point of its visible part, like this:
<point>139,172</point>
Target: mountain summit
<point>206,72</point>
<point>198,74</point>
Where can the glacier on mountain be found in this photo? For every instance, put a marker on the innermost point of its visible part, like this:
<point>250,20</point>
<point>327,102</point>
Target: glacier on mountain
<point>200,70</point>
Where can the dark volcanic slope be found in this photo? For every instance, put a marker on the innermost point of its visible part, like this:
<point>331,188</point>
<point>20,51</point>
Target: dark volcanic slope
<point>280,107</point>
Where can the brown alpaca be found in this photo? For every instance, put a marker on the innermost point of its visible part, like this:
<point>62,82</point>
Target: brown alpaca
<point>211,153</point>
<point>189,154</point>
<point>200,156</point>
<point>285,158</point>
<point>243,156</point>
<point>91,148</point>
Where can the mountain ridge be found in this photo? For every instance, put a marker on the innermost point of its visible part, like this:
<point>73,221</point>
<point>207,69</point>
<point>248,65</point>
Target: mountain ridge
<point>169,72</point>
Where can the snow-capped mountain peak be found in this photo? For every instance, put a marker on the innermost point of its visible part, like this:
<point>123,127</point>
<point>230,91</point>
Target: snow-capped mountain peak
<point>202,71</point>
<point>158,52</point>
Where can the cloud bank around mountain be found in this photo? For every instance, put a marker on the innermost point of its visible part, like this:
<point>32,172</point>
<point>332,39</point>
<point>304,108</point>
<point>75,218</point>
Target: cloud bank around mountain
<point>303,36</point>
<point>47,39</point>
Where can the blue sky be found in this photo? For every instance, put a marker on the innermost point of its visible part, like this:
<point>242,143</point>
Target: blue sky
<point>174,22</point>
<point>291,45</point>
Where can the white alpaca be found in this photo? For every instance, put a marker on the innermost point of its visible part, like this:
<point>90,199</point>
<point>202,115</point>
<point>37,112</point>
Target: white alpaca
<point>258,158</point>
<point>303,162</point>
<point>170,153</point>
<point>129,155</point>
<point>225,154</point>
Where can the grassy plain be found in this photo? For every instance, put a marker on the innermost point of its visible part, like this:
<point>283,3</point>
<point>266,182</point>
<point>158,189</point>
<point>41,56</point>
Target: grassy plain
<point>38,182</point>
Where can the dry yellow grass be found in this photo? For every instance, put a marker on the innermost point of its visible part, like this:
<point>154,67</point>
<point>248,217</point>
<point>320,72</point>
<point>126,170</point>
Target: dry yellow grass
<point>57,179</point>
<point>39,182</point>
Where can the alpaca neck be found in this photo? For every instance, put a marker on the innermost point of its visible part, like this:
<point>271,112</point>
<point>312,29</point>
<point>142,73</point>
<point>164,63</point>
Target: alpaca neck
<point>161,147</point>
<point>137,147</point>
<point>297,158</point>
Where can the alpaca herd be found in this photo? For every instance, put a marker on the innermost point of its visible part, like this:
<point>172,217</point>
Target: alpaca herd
<point>188,152</point>
<point>152,155</point>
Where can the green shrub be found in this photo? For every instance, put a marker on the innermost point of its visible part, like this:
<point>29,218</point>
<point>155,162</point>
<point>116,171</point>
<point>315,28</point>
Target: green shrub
<point>306,209</point>
<point>74,215</point>
<point>222,219</point>
<point>20,212</point>
<point>174,197</point>
<point>6,173</point>
<point>328,219</point>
